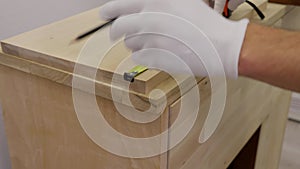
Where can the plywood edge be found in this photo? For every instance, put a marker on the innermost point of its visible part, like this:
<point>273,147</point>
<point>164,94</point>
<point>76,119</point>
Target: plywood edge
<point>35,56</point>
<point>50,45</point>
<point>58,75</point>
<point>142,84</point>
<point>141,101</point>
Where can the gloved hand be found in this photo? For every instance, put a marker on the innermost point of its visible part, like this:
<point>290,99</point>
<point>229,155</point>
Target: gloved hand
<point>201,28</point>
<point>232,5</point>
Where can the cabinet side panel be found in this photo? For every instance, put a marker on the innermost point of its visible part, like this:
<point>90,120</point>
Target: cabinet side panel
<point>44,132</point>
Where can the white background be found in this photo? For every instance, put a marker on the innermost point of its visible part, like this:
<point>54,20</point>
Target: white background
<point>17,16</point>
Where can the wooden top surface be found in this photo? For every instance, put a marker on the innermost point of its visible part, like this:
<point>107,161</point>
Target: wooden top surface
<point>51,45</point>
<point>50,48</point>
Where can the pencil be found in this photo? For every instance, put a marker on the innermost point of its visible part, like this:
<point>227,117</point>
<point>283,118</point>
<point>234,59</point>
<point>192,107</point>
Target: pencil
<point>94,30</point>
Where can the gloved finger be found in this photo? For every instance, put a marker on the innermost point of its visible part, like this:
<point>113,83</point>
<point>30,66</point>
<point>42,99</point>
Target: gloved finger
<point>163,60</point>
<point>138,31</point>
<point>219,5</point>
<point>233,4</point>
<point>146,40</point>
<point>135,42</point>
<point>125,26</point>
<point>159,57</point>
<point>116,8</point>
<point>152,34</point>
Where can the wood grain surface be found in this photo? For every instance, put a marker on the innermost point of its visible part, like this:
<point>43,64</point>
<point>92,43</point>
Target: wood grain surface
<point>249,103</point>
<point>52,45</point>
<point>169,87</point>
<point>44,132</point>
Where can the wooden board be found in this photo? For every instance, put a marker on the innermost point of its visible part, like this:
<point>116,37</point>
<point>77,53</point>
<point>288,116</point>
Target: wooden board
<point>290,21</point>
<point>248,105</point>
<point>169,87</point>
<point>272,133</point>
<point>43,130</point>
<point>50,45</point>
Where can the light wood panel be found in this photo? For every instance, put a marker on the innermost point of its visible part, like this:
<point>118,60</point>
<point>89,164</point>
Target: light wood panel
<point>42,124</point>
<point>50,45</point>
<point>290,21</point>
<point>169,87</point>
<point>44,133</point>
<point>248,105</point>
<point>272,134</point>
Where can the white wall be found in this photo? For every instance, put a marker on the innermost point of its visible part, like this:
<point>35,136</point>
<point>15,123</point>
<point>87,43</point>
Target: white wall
<point>17,16</point>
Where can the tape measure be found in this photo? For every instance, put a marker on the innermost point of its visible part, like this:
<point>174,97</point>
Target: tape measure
<point>131,74</point>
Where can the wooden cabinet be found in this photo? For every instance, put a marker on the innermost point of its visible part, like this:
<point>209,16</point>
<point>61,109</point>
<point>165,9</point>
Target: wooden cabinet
<point>45,131</point>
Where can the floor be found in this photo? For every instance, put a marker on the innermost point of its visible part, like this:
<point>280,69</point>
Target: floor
<point>290,158</point>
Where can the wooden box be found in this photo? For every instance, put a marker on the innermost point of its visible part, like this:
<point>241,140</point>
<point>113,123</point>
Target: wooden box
<point>40,103</point>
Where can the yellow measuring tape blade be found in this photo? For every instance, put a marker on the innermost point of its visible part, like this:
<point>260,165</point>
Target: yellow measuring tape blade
<point>135,71</point>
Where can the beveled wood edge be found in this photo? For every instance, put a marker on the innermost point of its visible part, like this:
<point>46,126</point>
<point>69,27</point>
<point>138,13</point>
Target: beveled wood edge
<point>141,101</point>
<point>143,83</point>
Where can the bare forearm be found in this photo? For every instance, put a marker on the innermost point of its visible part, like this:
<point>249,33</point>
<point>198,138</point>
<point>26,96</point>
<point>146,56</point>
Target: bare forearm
<point>271,55</point>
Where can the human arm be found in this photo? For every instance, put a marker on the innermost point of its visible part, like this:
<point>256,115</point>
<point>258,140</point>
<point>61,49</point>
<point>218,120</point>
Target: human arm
<point>272,56</point>
<point>262,53</point>
<point>202,38</point>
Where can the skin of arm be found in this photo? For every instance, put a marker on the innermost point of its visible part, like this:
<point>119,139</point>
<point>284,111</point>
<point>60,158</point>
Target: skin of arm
<point>272,56</point>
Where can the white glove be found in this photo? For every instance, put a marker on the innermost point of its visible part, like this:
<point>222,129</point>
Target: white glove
<point>226,36</point>
<point>232,5</point>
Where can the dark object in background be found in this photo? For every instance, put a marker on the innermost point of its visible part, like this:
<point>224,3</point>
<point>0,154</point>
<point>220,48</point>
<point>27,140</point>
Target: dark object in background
<point>227,12</point>
<point>287,2</point>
